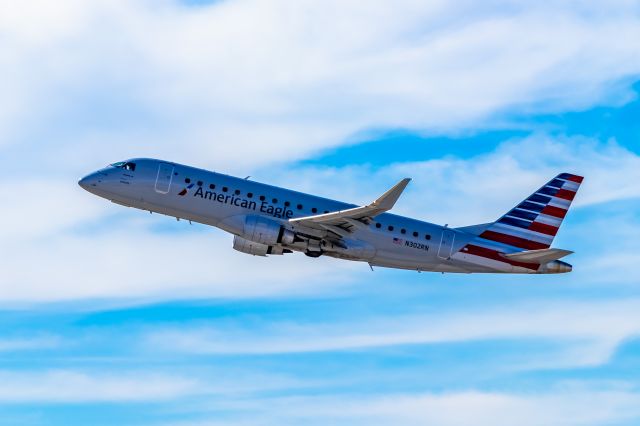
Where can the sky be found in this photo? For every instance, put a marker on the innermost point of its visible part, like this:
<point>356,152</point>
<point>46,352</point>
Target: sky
<point>111,316</point>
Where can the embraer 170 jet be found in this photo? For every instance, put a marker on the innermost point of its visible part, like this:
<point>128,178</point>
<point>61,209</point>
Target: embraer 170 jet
<point>268,220</point>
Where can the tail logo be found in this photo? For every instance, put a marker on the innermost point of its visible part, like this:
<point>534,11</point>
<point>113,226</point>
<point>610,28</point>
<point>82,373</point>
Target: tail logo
<point>531,225</point>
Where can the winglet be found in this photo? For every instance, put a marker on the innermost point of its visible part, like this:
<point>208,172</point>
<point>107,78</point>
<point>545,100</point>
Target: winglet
<point>389,198</point>
<point>382,204</point>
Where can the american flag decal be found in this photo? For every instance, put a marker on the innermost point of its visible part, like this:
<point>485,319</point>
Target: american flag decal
<point>398,241</point>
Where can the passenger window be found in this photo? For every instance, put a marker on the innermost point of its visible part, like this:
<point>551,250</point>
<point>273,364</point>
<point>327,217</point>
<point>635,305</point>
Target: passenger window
<point>249,195</point>
<point>212,186</point>
<point>262,198</point>
<point>390,228</point>
<point>225,189</point>
<point>415,234</point>
<point>237,192</point>
<point>274,201</point>
<point>314,210</point>
<point>403,231</point>
<point>378,225</point>
<point>299,206</point>
<point>199,183</point>
<point>428,237</point>
<point>287,204</point>
<point>187,180</point>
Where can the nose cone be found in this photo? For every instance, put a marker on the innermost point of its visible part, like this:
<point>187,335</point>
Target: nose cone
<point>89,182</point>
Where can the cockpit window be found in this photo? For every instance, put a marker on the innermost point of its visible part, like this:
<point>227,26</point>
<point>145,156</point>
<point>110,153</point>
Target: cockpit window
<point>125,165</point>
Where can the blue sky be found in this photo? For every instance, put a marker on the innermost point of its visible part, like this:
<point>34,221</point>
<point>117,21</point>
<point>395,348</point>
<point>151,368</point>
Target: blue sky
<point>110,315</point>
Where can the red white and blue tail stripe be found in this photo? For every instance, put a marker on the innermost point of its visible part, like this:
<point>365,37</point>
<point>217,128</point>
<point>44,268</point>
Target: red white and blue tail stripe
<point>531,225</point>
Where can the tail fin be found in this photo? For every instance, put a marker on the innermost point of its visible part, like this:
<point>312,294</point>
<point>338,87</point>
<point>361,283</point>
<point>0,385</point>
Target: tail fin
<point>533,223</point>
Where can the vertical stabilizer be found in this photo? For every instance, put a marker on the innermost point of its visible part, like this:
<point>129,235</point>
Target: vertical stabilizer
<point>533,223</point>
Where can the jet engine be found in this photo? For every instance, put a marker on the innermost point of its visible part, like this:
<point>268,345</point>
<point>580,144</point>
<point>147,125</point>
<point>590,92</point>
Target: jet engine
<point>256,249</point>
<point>266,231</point>
<point>555,267</point>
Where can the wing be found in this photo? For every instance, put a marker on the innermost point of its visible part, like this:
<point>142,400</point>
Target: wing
<point>341,222</point>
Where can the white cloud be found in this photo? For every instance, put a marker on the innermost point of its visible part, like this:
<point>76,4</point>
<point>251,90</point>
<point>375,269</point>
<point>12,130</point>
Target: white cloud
<point>283,79</point>
<point>67,386</point>
<point>73,386</point>
<point>482,188</point>
<point>29,343</point>
<point>590,332</point>
<point>581,406</point>
<point>482,408</point>
<point>38,208</point>
<point>146,266</point>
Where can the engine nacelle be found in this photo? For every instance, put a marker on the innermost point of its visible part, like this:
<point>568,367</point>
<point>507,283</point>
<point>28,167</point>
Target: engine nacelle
<point>555,267</point>
<point>250,247</point>
<point>266,231</point>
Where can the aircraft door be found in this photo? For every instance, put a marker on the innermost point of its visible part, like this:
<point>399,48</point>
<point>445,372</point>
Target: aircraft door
<point>163,180</point>
<point>446,244</point>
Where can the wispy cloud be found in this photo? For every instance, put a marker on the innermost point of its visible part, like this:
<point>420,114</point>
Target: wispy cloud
<point>87,83</point>
<point>590,332</point>
<point>567,407</point>
<point>286,79</point>
<point>17,344</point>
<point>77,387</point>
<point>481,188</point>
<point>145,265</point>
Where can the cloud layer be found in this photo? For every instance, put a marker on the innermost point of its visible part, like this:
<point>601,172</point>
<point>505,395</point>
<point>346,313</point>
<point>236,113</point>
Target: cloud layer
<point>285,79</point>
<point>250,87</point>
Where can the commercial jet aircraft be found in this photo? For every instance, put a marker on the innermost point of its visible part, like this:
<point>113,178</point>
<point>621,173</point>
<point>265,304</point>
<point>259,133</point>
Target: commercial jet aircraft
<point>268,220</point>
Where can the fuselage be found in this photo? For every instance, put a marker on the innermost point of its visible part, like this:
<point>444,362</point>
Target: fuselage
<point>226,202</point>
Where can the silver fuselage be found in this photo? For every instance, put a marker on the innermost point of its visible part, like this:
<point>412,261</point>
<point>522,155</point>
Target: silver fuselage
<point>225,202</point>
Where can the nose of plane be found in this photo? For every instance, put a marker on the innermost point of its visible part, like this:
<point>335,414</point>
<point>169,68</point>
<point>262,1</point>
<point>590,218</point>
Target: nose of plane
<point>88,182</point>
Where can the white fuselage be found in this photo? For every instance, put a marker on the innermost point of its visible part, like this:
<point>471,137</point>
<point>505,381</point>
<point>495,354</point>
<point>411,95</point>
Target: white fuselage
<point>226,202</point>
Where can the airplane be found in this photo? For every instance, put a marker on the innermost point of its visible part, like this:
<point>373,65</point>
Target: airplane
<point>268,220</point>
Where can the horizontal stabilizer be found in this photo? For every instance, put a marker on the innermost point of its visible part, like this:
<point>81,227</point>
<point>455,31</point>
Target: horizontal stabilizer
<point>538,256</point>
